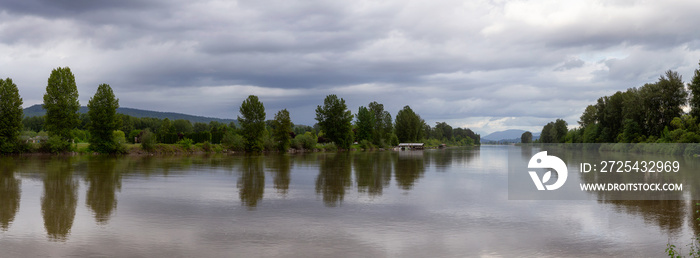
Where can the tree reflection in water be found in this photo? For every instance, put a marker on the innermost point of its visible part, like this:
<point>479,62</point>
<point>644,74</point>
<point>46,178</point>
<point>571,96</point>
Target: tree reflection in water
<point>280,166</point>
<point>334,176</point>
<point>9,192</point>
<point>251,183</point>
<point>103,181</point>
<point>372,171</point>
<point>409,168</point>
<point>60,198</point>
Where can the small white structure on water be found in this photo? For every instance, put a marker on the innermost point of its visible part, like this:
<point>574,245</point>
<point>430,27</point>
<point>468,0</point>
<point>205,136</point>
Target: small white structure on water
<point>412,146</point>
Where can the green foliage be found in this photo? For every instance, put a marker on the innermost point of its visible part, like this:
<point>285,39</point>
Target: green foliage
<point>164,129</point>
<point>182,126</point>
<point>694,88</point>
<point>34,123</point>
<point>252,123</point>
<point>526,137</point>
<point>365,124</point>
<point>200,137</point>
<point>55,144</point>
<point>233,142</point>
<point>61,104</point>
<point>330,147</point>
<point>80,135</point>
<point>148,140</point>
<point>103,120</point>
<point>409,126</point>
<point>10,116</point>
<point>282,128</point>
<point>304,141</point>
<point>383,126</point>
<point>394,140</point>
<point>335,120</point>
<point>443,131</point>
<point>119,141</point>
<point>185,143</point>
<point>133,135</point>
<point>367,145</point>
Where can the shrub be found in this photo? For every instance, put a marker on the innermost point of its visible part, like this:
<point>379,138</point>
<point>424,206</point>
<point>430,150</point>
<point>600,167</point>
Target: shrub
<point>367,145</point>
<point>305,141</point>
<point>233,142</point>
<point>148,140</point>
<point>55,144</point>
<point>119,141</point>
<point>206,146</point>
<point>185,143</point>
<point>330,147</point>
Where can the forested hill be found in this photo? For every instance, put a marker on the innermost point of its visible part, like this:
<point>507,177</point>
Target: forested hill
<point>36,110</point>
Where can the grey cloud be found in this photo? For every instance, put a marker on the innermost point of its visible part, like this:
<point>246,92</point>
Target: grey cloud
<point>460,60</point>
<point>570,64</point>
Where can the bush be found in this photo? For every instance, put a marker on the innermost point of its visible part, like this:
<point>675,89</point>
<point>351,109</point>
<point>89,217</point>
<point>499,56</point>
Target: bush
<point>367,145</point>
<point>207,147</point>
<point>304,141</point>
<point>55,144</point>
<point>233,142</point>
<point>119,141</point>
<point>394,140</point>
<point>148,140</point>
<point>185,143</point>
<point>268,143</point>
<point>330,147</point>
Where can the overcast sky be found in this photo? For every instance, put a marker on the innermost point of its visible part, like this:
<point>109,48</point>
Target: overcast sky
<point>486,65</point>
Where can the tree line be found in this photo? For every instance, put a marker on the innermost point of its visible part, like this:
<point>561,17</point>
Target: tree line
<point>107,131</point>
<point>652,113</point>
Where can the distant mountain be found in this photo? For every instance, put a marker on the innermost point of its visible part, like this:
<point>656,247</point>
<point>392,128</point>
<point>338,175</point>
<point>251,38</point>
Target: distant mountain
<point>37,110</point>
<point>511,135</point>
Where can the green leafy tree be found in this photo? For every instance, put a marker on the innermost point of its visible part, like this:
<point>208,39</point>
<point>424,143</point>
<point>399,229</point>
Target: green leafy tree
<point>365,124</point>
<point>282,129</point>
<point>443,131</point>
<point>589,116</point>
<point>335,121</point>
<point>182,126</point>
<point>252,123</point>
<point>546,134</point>
<point>526,137</point>
<point>61,104</point>
<point>11,113</point>
<point>102,110</point>
<point>409,126</point>
<point>694,87</point>
<point>383,126</point>
<point>164,129</point>
<point>560,126</point>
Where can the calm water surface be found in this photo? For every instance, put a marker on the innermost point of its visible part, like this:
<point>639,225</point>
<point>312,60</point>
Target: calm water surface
<point>432,203</point>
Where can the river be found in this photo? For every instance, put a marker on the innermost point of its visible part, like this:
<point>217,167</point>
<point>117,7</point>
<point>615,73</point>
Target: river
<point>434,203</point>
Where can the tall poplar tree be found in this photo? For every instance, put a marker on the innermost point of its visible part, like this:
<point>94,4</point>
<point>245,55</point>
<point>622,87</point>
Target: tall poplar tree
<point>11,113</point>
<point>61,104</point>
